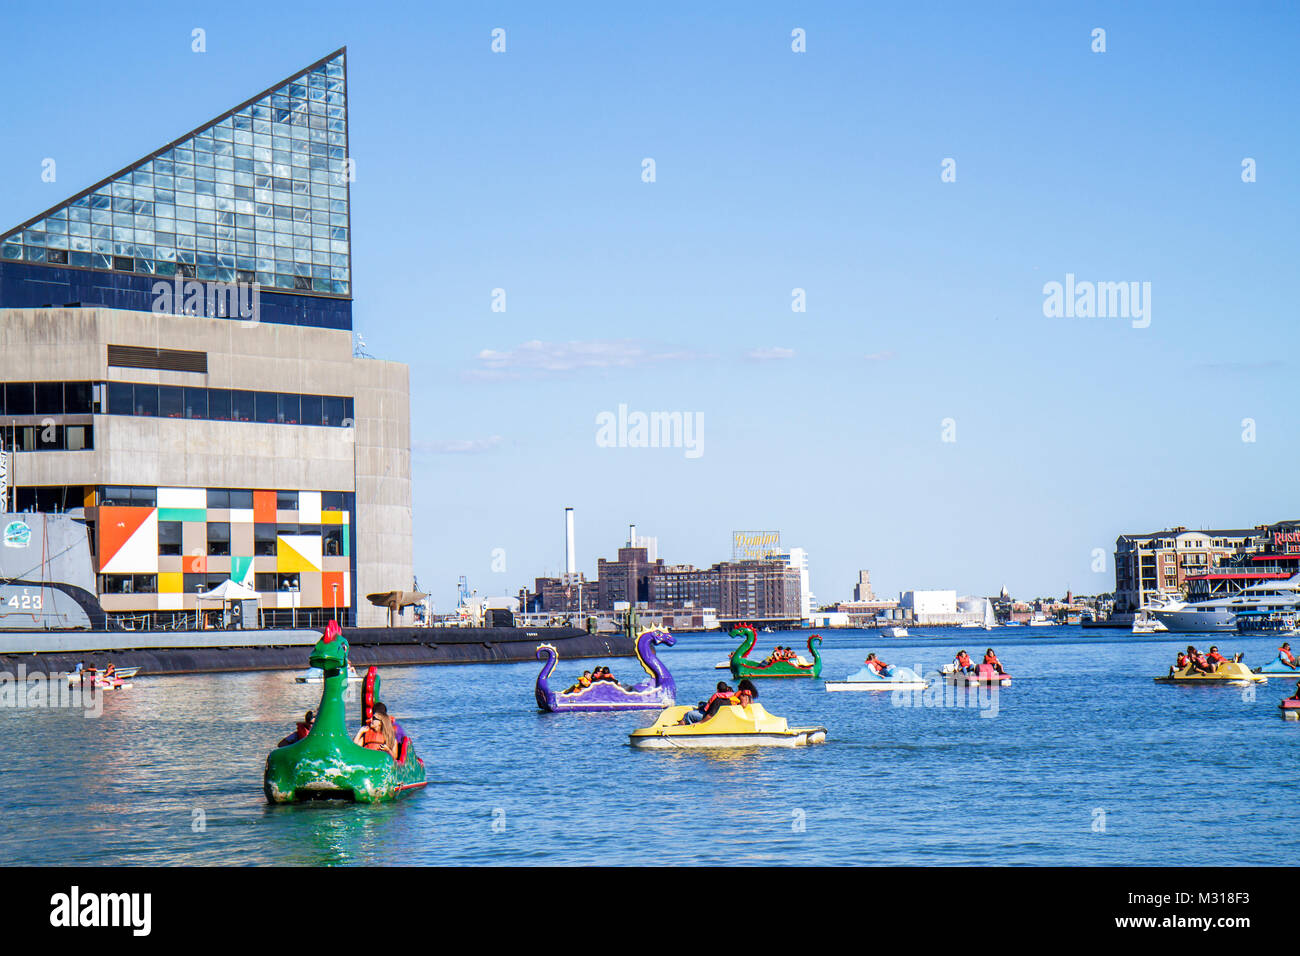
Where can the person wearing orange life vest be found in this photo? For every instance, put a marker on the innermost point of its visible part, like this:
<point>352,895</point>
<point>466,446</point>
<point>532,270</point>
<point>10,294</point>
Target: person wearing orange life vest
<point>991,658</point>
<point>1214,658</point>
<point>1182,661</point>
<point>1198,661</point>
<point>1286,657</point>
<point>964,664</point>
<point>876,664</point>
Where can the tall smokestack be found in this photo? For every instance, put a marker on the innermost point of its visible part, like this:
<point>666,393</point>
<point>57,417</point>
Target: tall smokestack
<point>570,559</point>
<point>631,536</point>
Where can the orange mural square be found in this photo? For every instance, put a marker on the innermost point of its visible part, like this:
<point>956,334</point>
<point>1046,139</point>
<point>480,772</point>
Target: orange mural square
<point>264,507</point>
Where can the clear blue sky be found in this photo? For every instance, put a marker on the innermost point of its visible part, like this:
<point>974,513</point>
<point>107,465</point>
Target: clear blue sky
<point>775,170</point>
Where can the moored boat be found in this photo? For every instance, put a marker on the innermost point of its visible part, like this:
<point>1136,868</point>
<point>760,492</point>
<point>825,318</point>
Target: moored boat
<point>893,632</point>
<point>732,726</point>
<point>314,675</point>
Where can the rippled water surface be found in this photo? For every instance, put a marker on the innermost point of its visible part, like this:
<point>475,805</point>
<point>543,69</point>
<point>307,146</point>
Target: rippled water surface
<point>1087,761</point>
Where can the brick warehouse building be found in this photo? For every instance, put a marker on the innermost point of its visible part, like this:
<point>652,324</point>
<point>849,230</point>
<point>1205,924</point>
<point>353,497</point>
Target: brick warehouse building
<point>204,434</point>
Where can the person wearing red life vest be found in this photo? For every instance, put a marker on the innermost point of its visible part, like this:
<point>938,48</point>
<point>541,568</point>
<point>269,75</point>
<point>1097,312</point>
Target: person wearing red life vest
<point>876,664</point>
<point>991,658</point>
<point>964,664</point>
<point>1198,661</point>
<point>1214,658</point>
<point>1182,661</point>
<point>1286,657</point>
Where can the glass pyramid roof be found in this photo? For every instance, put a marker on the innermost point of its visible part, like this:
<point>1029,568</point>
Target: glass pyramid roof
<point>260,194</point>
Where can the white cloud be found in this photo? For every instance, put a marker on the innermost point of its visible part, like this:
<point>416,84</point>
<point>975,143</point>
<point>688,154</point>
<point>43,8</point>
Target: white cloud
<point>456,446</point>
<point>769,354</point>
<point>558,358</point>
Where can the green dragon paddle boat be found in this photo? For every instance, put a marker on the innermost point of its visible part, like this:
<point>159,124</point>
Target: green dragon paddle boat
<point>326,763</point>
<point>742,666</point>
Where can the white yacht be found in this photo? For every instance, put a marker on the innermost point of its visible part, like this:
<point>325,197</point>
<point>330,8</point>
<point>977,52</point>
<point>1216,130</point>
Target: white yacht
<point>1220,614</point>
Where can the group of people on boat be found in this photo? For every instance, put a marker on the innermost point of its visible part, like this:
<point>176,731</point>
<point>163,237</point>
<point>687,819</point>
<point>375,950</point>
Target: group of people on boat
<point>742,695</point>
<point>588,678</point>
<point>381,732</point>
<point>1203,663</point>
<point>781,653</point>
<point>109,674</point>
<point>965,665</point>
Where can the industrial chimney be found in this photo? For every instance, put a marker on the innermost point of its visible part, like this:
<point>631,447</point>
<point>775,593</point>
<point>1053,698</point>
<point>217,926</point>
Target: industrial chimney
<point>570,559</point>
<point>631,536</point>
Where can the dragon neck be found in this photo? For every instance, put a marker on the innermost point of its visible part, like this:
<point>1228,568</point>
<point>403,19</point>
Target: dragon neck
<point>331,715</point>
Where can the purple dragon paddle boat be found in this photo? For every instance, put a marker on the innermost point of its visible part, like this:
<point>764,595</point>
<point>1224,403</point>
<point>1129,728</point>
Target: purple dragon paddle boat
<point>654,694</point>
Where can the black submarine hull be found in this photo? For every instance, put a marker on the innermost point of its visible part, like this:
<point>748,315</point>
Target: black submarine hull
<point>383,647</point>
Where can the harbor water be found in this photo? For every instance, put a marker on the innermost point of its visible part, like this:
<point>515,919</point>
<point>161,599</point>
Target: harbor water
<point>1082,760</point>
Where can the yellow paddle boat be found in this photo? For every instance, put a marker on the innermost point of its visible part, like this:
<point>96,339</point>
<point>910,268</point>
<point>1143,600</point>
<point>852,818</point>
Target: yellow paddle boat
<point>731,726</point>
<point>1228,672</point>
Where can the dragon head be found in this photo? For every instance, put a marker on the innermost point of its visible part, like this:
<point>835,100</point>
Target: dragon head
<point>659,635</point>
<point>331,651</point>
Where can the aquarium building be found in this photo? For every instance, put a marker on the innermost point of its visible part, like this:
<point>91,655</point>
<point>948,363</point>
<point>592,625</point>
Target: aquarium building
<point>177,370</point>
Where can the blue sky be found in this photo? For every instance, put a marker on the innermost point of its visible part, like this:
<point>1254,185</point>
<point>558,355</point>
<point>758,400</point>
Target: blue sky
<point>774,171</point>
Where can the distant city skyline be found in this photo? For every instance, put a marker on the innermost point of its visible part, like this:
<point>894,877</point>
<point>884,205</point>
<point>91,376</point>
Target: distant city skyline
<point>840,276</point>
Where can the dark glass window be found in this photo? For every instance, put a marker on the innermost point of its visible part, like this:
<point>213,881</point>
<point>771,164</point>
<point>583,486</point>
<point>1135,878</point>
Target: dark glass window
<point>334,540</point>
<point>20,398</point>
<point>49,398</point>
<point>286,582</point>
<point>219,537</point>
<point>146,400</point>
<point>171,401</point>
<point>333,411</point>
<point>218,498</point>
<point>286,500</point>
<point>309,529</point>
<point>264,541</point>
<point>115,497</point>
<point>194,583</point>
<point>241,406</point>
<point>266,407</point>
<point>219,404</point>
<point>76,398</point>
<point>283,529</point>
<point>265,583</point>
<point>169,537</point>
<point>312,410</point>
<point>144,497</point>
<point>196,403</point>
<point>49,437</point>
<point>121,398</point>
<point>290,411</point>
<point>332,501</point>
<point>241,498</point>
<point>347,413</point>
<point>25,439</point>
